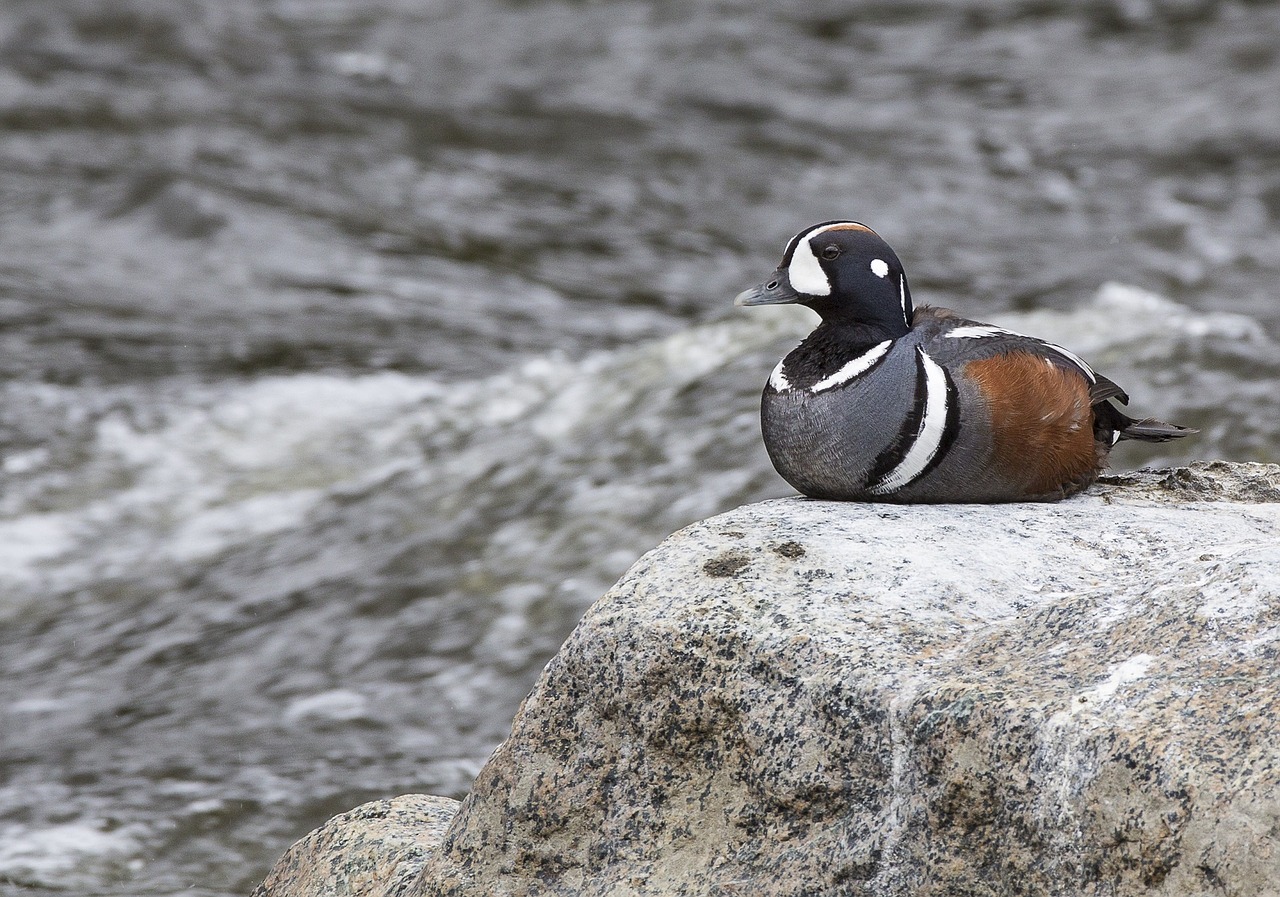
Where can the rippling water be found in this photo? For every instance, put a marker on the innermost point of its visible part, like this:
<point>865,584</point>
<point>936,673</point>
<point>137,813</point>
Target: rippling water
<point>350,349</point>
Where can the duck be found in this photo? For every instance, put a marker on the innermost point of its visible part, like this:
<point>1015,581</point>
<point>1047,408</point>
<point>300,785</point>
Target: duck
<point>887,402</point>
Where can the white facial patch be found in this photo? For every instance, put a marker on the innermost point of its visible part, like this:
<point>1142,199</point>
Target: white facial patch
<point>804,272</point>
<point>879,267</point>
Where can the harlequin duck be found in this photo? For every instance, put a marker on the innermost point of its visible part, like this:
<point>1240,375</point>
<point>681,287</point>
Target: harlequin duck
<point>888,402</point>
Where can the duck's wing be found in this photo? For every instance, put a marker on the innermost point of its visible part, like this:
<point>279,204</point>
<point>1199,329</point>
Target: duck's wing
<point>957,340</point>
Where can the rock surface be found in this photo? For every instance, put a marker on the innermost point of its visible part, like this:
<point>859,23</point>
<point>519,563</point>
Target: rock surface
<point>802,697</point>
<point>375,850</point>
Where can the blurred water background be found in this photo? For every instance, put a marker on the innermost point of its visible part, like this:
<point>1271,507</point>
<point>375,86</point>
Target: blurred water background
<point>350,348</point>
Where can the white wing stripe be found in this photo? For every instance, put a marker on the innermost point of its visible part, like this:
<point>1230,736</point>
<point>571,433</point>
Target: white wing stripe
<point>979,331</point>
<point>1093,378</point>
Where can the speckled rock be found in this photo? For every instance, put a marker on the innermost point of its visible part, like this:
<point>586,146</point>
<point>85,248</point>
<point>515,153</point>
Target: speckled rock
<point>375,850</point>
<point>809,698</point>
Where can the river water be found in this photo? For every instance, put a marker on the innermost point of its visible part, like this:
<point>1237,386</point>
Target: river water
<point>350,348</point>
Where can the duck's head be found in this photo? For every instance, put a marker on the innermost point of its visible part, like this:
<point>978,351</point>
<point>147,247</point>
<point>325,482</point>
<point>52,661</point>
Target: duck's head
<point>844,272</point>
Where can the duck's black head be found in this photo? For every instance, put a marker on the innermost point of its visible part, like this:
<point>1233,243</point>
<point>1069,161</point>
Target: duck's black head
<point>844,272</point>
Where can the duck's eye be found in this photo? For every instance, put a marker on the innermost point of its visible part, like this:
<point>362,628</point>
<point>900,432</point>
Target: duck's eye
<point>830,252</point>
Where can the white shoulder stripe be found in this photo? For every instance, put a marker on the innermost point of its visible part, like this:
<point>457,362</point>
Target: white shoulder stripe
<point>852,369</point>
<point>928,441</point>
<point>979,331</point>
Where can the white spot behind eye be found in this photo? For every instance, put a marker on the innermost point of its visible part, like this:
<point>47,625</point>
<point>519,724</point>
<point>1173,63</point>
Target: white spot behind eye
<point>879,267</point>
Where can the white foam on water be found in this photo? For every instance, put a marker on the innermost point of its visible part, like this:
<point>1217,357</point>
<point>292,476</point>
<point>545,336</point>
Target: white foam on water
<point>240,464</point>
<point>1122,315</point>
<point>32,538</point>
<point>253,460</point>
<point>56,856</point>
<point>336,705</point>
<point>35,705</point>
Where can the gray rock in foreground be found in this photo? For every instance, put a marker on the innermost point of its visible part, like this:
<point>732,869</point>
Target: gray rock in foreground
<point>375,850</point>
<point>801,698</point>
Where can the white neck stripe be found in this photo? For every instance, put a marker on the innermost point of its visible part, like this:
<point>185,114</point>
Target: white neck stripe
<point>933,428</point>
<point>778,379</point>
<point>854,368</point>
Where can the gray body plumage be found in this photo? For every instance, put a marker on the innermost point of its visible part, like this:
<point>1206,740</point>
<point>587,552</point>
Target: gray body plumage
<point>827,443</point>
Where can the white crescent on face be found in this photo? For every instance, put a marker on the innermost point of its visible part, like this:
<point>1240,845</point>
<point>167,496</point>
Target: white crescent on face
<point>804,272</point>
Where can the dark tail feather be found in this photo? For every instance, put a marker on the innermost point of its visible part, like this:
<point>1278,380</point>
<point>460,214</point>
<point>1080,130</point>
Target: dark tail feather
<point>1152,430</point>
<point>1111,424</point>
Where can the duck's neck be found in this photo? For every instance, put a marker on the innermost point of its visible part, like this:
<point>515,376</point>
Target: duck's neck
<point>833,345</point>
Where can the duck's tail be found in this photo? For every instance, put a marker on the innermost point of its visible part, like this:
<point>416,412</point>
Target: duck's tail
<point>1111,425</point>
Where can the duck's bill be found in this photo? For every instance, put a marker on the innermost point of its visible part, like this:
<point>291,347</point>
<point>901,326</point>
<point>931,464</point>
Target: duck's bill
<point>776,292</point>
